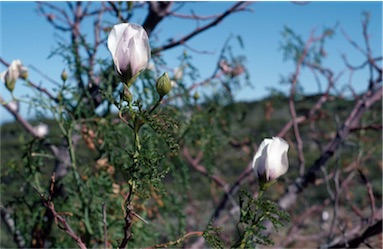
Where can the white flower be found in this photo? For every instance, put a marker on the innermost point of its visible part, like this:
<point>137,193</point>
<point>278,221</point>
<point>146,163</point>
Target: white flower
<point>42,130</point>
<point>12,73</point>
<point>270,161</point>
<point>129,45</point>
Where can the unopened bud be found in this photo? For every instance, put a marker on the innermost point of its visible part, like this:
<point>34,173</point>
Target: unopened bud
<point>10,84</point>
<point>64,75</point>
<point>14,71</point>
<point>196,96</point>
<point>163,85</point>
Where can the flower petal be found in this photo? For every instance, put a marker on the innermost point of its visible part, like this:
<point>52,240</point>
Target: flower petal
<point>259,159</point>
<point>277,163</point>
<point>138,56</point>
<point>115,37</point>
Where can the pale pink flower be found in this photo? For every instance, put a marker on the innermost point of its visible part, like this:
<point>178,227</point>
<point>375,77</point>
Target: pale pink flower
<point>129,45</point>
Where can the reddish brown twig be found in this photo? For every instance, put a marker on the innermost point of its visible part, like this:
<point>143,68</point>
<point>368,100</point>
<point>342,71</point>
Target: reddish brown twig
<point>127,227</point>
<point>58,218</point>
<point>194,163</point>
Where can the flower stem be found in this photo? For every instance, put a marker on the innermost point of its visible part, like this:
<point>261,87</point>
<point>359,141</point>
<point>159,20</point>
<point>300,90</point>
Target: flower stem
<point>156,105</point>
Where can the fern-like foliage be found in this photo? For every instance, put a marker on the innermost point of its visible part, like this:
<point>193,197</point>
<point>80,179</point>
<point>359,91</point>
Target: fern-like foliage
<point>211,235</point>
<point>165,127</point>
<point>254,211</point>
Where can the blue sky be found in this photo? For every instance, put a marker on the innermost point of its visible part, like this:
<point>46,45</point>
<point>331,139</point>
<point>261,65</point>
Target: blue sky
<point>27,36</point>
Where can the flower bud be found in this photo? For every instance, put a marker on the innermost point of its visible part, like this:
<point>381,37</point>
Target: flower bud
<point>13,72</point>
<point>64,75</point>
<point>129,45</point>
<point>163,85</point>
<point>10,84</point>
<point>196,96</point>
<point>270,161</point>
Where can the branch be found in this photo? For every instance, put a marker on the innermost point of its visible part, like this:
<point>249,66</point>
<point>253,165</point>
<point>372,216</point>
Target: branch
<point>57,15</point>
<point>370,195</point>
<point>194,163</point>
<point>157,11</point>
<point>128,226</point>
<point>355,242</point>
<point>11,226</point>
<point>292,104</point>
<point>178,241</point>
<point>236,7</point>
<point>24,123</point>
<point>215,75</point>
<point>302,182</point>
<point>58,218</point>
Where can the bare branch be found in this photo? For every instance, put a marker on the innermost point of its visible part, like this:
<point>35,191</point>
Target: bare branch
<point>157,11</point>
<point>26,125</point>
<point>194,163</point>
<point>58,218</point>
<point>355,242</point>
<point>361,107</point>
<point>235,8</point>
